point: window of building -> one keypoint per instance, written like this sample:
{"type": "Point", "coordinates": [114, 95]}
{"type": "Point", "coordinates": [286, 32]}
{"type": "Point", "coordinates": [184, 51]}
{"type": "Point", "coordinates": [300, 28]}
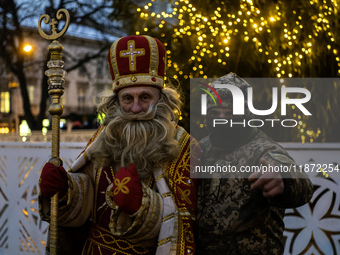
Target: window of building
{"type": "Point", "coordinates": [82, 70]}
{"type": "Point", "coordinates": [5, 103]}
{"type": "Point", "coordinates": [30, 90]}
{"type": "Point", "coordinates": [99, 68]}
{"type": "Point", "coordinates": [81, 99]}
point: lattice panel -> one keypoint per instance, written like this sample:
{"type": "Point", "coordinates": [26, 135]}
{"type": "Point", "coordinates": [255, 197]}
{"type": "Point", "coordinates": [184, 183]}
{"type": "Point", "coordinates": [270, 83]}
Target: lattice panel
{"type": "Point", "coordinates": [314, 229]}
{"type": "Point", "coordinates": [311, 229]}
{"type": "Point", "coordinates": [76, 136]}
{"type": "Point", "coordinates": [21, 229]}
{"type": "Point", "coordinates": [4, 203]}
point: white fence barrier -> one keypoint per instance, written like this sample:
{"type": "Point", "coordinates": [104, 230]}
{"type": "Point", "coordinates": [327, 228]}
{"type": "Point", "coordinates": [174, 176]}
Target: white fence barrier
{"type": "Point", "coordinates": [21, 230]}
{"type": "Point", "coordinates": [311, 229]}
{"type": "Point", "coordinates": [315, 227]}
{"type": "Point", "coordinates": [74, 136]}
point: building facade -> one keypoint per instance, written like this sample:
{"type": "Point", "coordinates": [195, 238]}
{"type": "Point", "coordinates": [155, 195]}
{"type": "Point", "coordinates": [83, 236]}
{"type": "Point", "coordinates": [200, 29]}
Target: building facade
{"type": "Point", "coordinates": [84, 84]}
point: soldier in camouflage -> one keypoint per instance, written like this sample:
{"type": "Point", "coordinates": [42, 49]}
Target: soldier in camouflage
{"type": "Point", "coordinates": [239, 214]}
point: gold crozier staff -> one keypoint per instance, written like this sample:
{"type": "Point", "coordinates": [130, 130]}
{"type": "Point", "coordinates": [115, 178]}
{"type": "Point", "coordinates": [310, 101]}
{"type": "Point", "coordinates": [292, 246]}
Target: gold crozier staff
{"type": "Point", "coordinates": [56, 80]}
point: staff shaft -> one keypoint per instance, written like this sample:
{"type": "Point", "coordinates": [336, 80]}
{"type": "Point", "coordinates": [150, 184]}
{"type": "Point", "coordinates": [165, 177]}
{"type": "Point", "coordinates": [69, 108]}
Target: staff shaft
{"type": "Point", "coordinates": [55, 81]}
{"type": "Point", "coordinates": [54, 199]}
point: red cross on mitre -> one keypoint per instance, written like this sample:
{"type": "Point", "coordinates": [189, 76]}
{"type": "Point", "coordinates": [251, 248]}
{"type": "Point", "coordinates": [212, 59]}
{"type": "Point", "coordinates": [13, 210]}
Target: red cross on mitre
{"type": "Point", "coordinates": [132, 54]}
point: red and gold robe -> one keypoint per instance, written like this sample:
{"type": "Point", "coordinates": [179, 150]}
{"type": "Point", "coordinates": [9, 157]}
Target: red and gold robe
{"type": "Point", "coordinates": [164, 223]}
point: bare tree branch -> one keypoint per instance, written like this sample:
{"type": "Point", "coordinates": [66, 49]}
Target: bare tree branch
{"type": "Point", "coordinates": [14, 15]}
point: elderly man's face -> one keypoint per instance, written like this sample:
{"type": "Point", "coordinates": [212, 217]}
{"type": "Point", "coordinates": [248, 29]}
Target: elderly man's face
{"type": "Point", "coordinates": [138, 99]}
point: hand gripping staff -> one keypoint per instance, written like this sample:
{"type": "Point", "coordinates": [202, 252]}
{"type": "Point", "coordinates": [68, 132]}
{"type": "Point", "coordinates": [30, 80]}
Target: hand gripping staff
{"type": "Point", "coordinates": [56, 80]}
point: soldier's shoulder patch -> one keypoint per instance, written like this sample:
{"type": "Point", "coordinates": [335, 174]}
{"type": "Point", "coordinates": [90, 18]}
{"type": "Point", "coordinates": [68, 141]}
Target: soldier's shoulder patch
{"type": "Point", "coordinates": [282, 158]}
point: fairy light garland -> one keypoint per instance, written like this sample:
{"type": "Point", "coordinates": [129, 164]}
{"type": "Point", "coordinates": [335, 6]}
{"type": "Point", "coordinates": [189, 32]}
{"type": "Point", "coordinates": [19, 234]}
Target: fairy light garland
{"type": "Point", "coordinates": [213, 36]}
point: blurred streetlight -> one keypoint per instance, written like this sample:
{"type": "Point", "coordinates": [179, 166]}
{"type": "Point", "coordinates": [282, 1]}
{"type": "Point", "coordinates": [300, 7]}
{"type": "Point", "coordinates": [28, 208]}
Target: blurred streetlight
{"type": "Point", "coordinates": [28, 48]}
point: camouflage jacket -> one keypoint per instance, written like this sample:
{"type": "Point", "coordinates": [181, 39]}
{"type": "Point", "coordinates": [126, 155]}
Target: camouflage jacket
{"type": "Point", "coordinates": [234, 219]}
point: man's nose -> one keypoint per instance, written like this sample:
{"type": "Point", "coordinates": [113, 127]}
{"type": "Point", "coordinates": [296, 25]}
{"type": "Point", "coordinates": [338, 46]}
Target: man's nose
{"type": "Point", "coordinates": [136, 107]}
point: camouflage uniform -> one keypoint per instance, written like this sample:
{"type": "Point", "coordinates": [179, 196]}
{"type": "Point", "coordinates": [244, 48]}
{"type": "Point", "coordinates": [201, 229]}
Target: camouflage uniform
{"type": "Point", "coordinates": [235, 219]}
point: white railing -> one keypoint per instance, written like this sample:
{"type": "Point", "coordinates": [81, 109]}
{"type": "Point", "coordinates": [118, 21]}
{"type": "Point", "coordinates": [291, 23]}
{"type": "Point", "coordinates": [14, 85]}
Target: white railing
{"type": "Point", "coordinates": [311, 229]}
{"type": "Point", "coordinates": [315, 227]}
{"type": "Point", "coordinates": [80, 135]}
{"type": "Point", "coordinates": [21, 230]}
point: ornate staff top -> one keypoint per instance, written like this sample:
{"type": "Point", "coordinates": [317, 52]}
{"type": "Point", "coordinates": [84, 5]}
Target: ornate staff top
{"type": "Point", "coordinates": [56, 76]}
{"type": "Point", "coordinates": [54, 24]}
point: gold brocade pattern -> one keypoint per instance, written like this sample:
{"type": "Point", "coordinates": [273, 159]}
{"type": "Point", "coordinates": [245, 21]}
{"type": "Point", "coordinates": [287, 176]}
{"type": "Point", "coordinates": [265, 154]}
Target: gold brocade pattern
{"type": "Point", "coordinates": [159, 177]}
{"type": "Point", "coordinates": [154, 58]}
{"type": "Point", "coordinates": [113, 59]}
{"type": "Point", "coordinates": [120, 186]}
{"type": "Point", "coordinates": [182, 191]}
{"type": "Point", "coordinates": [182, 162]}
{"type": "Point", "coordinates": [103, 238]}
{"type": "Point", "coordinates": [185, 195]}
{"type": "Point", "coordinates": [168, 217]}
{"type": "Point", "coordinates": [168, 194]}
{"type": "Point", "coordinates": [177, 176]}
{"type": "Point", "coordinates": [81, 183]}
{"type": "Point", "coordinates": [99, 171]}
{"type": "Point", "coordinates": [164, 241]}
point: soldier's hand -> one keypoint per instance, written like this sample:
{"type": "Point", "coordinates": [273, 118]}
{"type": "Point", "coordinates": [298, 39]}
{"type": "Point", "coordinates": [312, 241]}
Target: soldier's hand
{"type": "Point", "coordinates": [52, 180]}
{"type": "Point", "coordinates": [271, 183]}
{"type": "Point", "coordinates": [127, 189]}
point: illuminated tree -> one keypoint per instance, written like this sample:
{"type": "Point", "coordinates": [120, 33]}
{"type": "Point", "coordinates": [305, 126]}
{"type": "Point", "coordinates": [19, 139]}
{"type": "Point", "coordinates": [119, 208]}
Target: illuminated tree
{"type": "Point", "coordinates": [277, 39]}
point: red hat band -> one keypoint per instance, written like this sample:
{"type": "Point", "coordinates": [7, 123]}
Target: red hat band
{"type": "Point", "coordinates": [137, 61]}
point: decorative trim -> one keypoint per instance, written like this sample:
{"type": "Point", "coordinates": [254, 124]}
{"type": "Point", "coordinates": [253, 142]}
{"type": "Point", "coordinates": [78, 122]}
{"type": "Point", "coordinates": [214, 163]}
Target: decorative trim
{"type": "Point", "coordinates": [168, 217]}
{"type": "Point", "coordinates": [159, 177]}
{"type": "Point", "coordinates": [164, 241]}
{"type": "Point", "coordinates": [113, 58]}
{"type": "Point", "coordinates": [154, 58]}
{"type": "Point", "coordinates": [132, 53]}
{"type": "Point", "coordinates": [168, 194]}
{"type": "Point", "coordinates": [137, 80]}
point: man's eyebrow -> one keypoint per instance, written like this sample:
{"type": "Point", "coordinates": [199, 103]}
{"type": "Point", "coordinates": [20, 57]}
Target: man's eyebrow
{"type": "Point", "coordinates": [146, 92]}
{"type": "Point", "coordinates": [143, 92]}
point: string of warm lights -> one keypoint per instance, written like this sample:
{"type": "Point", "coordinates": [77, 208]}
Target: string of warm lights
{"type": "Point", "coordinates": [213, 36]}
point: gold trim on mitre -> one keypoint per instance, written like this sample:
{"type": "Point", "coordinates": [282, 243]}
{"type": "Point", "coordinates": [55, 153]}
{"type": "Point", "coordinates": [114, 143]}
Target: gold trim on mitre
{"type": "Point", "coordinates": [113, 58]}
{"type": "Point", "coordinates": [154, 55]}
{"type": "Point", "coordinates": [138, 80]}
